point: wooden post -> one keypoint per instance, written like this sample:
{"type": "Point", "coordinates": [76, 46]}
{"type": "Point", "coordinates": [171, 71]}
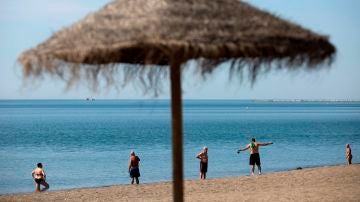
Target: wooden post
{"type": "Point", "coordinates": [177, 131]}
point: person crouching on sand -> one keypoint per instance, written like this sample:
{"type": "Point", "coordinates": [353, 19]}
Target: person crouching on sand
{"type": "Point", "coordinates": [203, 156]}
{"type": "Point", "coordinates": [39, 177]}
{"type": "Point", "coordinates": [254, 154]}
{"type": "Point", "coordinates": [134, 167]}
{"type": "Point", "coordinates": [348, 154]}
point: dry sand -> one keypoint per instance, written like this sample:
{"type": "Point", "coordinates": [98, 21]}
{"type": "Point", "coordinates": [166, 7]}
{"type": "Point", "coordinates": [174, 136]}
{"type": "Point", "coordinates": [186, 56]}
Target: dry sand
{"type": "Point", "coordinates": [334, 183]}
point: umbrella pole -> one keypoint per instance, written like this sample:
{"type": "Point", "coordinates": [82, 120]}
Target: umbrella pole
{"type": "Point", "coordinates": [177, 131]}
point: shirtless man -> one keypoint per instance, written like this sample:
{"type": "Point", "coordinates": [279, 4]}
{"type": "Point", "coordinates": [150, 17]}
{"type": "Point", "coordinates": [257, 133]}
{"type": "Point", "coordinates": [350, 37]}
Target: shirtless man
{"type": "Point", "coordinates": [134, 167]}
{"type": "Point", "coordinates": [348, 154]}
{"type": "Point", "coordinates": [203, 156]}
{"type": "Point", "coordinates": [39, 177]}
{"type": "Point", "coordinates": [254, 154]}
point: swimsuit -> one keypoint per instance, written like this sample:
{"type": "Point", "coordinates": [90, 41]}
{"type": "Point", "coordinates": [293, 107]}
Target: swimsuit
{"type": "Point", "coordinates": [254, 159]}
{"type": "Point", "coordinates": [134, 172]}
{"type": "Point", "coordinates": [203, 167]}
{"type": "Point", "coordinates": [38, 181]}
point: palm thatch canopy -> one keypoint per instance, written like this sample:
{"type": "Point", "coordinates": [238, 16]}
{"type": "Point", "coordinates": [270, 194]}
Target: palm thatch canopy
{"type": "Point", "coordinates": [157, 32]}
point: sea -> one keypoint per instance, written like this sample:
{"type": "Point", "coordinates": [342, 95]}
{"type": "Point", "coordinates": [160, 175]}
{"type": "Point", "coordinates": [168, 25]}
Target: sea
{"type": "Point", "coordinates": [86, 143]}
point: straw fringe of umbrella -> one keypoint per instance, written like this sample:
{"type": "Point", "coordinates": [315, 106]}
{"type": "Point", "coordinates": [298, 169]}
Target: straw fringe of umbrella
{"type": "Point", "coordinates": [149, 34]}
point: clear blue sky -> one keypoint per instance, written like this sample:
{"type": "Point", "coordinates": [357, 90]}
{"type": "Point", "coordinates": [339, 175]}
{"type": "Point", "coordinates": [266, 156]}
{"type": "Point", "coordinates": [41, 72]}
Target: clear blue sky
{"type": "Point", "coordinates": [26, 23]}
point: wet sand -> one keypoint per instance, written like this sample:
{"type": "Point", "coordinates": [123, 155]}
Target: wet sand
{"type": "Point", "coordinates": [333, 183]}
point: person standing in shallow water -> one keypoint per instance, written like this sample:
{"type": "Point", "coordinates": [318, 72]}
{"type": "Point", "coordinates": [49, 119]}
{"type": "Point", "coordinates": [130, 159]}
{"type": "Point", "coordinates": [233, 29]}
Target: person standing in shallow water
{"type": "Point", "coordinates": [348, 154]}
{"type": "Point", "coordinates": [203, 156]}
{"type": "Point", "coordinates": [254, 154]}
{"type": "Point", "coordinates": [39, 177]}
{"type": "Point", "coordinates": [134, 167]}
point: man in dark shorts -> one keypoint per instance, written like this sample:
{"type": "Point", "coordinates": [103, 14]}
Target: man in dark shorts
{"type": "Point", "coordinates": [254, 154]}
{"type": "Point", "coordinates": [203, 156]}
{"type": "Point", "coordinates": [39, 177]}
{"type": "Point", "coordinates": [134, 167]}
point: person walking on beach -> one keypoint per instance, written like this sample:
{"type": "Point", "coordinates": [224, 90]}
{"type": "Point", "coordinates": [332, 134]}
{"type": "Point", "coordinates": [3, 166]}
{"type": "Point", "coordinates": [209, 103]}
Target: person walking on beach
{"type": "Point", "coordinates": [203, 156]}
{"type": "Point", "coordinates": [39, 177]}
{"type": "Point", "coordinates": [254, 154]}
{"type": "Point", "coordinates": [134, 167]}
{"type": "Point", "coordinates": [348, 154]}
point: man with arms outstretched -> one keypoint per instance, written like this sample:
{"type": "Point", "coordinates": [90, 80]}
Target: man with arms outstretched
{"type": "Point", "coordinates": [254, 154]}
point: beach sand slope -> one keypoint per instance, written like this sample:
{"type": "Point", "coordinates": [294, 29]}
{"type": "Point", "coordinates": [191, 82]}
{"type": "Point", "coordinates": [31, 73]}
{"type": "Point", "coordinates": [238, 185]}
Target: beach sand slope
{"type": "Point", "coordinates": [333, 183]}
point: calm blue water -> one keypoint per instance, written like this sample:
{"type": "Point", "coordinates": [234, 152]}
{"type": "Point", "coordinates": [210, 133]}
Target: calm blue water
{"type": "Point", "coordinates": [87, 143]}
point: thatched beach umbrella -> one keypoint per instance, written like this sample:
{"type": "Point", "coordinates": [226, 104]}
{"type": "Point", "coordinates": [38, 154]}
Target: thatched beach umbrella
{"type": "Point", "coordinates": [147, 36]}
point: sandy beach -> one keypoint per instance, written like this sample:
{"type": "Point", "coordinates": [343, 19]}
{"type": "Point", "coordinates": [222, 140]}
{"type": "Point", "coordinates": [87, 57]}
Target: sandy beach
{"type": "Point", "coordinates": [333, 183]}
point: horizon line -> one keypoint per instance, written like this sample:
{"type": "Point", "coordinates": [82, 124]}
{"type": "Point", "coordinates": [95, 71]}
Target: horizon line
{"type": "Point", "coordinates": [214, 99]}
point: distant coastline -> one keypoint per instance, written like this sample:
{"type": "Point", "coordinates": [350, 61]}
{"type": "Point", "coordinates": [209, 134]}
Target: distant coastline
{"type": "Point", "coordinates": [306, 100]}
{"type": "Point", "coordinates": [162, 99]}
